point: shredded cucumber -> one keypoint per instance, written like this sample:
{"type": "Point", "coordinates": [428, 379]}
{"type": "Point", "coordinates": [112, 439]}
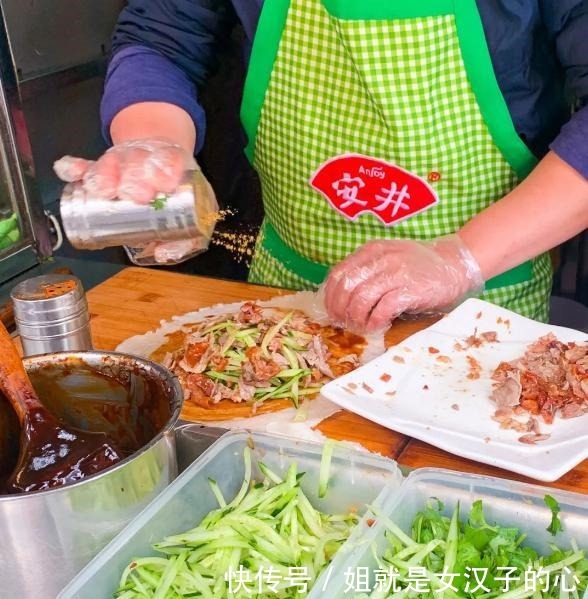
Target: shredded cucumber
{"type": "Point", "coordinates": [272, 332]}
{"type": "Point", "coordinates": [270, 526]}
{"type": "Point", "coordinates": [325, 468]}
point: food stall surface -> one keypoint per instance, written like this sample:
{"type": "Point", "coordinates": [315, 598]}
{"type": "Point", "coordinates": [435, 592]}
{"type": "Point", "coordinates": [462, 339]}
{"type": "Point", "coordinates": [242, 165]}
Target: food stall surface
{"type": "Point", "coordinates": [136, 300]}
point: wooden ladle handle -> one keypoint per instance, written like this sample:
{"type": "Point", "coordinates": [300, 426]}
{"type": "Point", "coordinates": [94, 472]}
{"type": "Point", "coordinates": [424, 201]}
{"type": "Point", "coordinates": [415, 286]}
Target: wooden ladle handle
{"type": "Point", "coordinates": [14, 381]}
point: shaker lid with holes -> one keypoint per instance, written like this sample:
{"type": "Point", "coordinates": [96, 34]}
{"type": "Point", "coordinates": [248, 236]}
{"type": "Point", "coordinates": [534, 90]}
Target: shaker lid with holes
{"type": "Point", "coordinates": [47, 298]}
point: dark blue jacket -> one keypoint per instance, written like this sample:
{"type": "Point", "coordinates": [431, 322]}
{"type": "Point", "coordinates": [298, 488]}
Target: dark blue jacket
{"type": "Point", "coordinates": [164, 50]}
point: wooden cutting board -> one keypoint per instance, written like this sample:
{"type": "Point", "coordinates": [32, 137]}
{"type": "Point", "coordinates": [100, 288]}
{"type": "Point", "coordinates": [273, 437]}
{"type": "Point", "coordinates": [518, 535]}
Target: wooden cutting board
{"type": "Point", "coordinates": [135, 300]}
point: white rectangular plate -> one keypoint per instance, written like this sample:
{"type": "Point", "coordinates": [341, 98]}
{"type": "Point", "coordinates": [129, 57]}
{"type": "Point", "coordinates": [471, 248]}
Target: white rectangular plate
{"type": "Point", "coordinates": [433, 400]}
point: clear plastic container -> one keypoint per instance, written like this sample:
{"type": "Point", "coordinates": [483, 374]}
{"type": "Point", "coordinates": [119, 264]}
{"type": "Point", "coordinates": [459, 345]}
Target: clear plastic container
{"type": "Point", "coordinates": [507, 503]}
{"type": "Point", "coordinates": [356, 479]}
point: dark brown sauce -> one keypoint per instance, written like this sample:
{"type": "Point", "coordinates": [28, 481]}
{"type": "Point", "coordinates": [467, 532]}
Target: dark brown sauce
{"type": "Point", "coordinates": [125, 408]}
{"type": "Point", "coordinates": [53, 455]}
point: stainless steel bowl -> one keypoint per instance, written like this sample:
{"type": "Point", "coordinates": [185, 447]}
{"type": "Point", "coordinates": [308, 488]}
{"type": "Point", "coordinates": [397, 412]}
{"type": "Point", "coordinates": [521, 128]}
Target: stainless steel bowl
{"type": "Point", "coordinates": [48, 536]}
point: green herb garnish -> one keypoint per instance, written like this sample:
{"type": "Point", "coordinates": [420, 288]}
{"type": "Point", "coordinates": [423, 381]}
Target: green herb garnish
{"type": "Point", "coordinates": [443, 546]}
{"type": "Point", "coordinates": [159, 203]}
{"type": "Point", "coordinates": [555, 525]}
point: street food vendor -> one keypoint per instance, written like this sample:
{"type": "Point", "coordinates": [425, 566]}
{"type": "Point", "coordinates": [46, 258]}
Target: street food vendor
{"type": "Point", "coordinates": [410, 153]}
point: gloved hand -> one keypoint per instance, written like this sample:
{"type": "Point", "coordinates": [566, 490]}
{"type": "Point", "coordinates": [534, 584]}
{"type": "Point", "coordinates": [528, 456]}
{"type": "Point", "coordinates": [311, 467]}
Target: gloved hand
{"type": "Point", "coordinates": [140, 170]}
{"type": "Point", "coordinates": [135, 170]}
{"type": "Point", "coordinates": [384, 279]}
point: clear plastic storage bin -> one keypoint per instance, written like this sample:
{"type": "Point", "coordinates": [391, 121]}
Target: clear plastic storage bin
{"type": "Point", "coordinates": [508, 503]}
{"type": "Point", "coordinates": [356, 479]}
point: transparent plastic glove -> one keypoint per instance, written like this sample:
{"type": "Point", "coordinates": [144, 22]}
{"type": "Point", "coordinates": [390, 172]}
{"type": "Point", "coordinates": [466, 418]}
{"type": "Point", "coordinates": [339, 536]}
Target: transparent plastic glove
{"type": "Point", "coordinates": [139, 171]}
{"type": "Point", "coordinates": [384, 279]}
{"type": "Point", "coordinates": [174, 252]}
{"type": "Point", "coordinates": [135, 170]}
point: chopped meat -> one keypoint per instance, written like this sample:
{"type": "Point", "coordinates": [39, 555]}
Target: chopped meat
{"type": "Point", "coordinates": [301, 323]}
{"type": "Point", "coordinates": [478, 315]}
{"type": "Point", "coordinates": [515, 425]}
{"type": "Point", "coordinates": [399, 359]}
{"type": "Point", "coordinates": [317, 355]}
{"type": "Point", "coordinates": [443, 359]}
{"type": "Point", "coordinates": [316, 375]}
{"type": "Point", "coordinates": [367, 388]}
{"type": "Point", "coordinates": [503, 414]}
{"type": "Point", "coordinates": [534, 425]}
{"type": "Point", "coordinates": [221, 392]}
{"type": "Point", "coordinates": [385, 378]}
{"type": "Point", "coordinates": [200, 389]}
{"type": "Point", "coordinates": [553, 379]}
{"type": "Point", "coordinates": [275, 345]}
{"type": "Point", "coordinates": [194, 353]}
{"type": "Point", "coordinates": [263, 369]}
{"type": "Point", "coordinates": [245, 392]}
{"type": "Point", "coordinates": [477, 340]}
{"type": "Point", "coordinates": [575, 353]}
{"type": "Point", "coordinates": [533, 438]}
{"type": "Point", "coordinates": [218, 363]}
{"type": "Point", "coordinates": [250, 313]}
{"type": "Point", "coordinates": [506, 322]}
{"type": "Point", "coordinates": [352, 385]}
{"type": "Point", "coordinates": [474, 368]}
{"type": "Point", "coordinates": [279, 359]}
{"type": "Point", "coordinates": [352, 359]}
{"type": "Point", "coordinates": [433, 350]}
{"type": "Point", "coordinates": [573, 410]}
{"type": "Point", "coordinates": [508, 393]}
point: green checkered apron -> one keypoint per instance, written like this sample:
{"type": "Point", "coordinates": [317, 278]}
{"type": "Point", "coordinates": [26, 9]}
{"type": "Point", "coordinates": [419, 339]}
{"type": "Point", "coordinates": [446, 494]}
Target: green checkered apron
{"type": "Point", "coordinates": [408, 83]}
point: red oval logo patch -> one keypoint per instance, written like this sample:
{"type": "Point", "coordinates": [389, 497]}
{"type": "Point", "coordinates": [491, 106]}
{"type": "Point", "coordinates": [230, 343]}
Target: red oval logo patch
{"type": "Point", "coordinates": [355, 184]}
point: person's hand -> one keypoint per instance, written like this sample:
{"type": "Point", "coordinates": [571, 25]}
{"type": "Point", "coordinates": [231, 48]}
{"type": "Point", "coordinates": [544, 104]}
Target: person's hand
{"type": "Point", "coordinates": [136, 170]}
{"type": "Point", "coordinates": [139, 171]}
{"type": "Point", "coordinates": [384, 279]}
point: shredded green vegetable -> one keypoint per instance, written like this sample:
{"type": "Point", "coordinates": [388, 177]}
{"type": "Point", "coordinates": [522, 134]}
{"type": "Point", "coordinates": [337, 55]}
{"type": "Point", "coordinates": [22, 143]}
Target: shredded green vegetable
{"type": "Point", "coordinates": [267, 532]}
{"type": "Point", "coordinates": [325, 467]}
{"type": "Point", "coordinates": [439, 545]}
{"type": "Point", "coordinates": [555, 525]}
{"type": "Point", "coordinates": [253, 356]}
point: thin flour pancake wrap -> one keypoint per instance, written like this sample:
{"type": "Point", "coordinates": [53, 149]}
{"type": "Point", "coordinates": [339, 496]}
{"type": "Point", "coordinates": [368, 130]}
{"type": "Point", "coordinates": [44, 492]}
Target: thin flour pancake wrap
{"type": "Point", "coordinates": [284, 352]}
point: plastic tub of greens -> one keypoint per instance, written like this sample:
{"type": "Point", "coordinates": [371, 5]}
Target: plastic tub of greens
{"type": "Point", "coordinates": [475, 529]}
{"type": "Point", "coordinates": [254, 512]}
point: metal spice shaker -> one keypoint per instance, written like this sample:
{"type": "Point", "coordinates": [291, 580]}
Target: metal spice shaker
{"type": "Point", "coordinates": [91, 223]}
{"type": "Point", "coordinates": [51, 315]}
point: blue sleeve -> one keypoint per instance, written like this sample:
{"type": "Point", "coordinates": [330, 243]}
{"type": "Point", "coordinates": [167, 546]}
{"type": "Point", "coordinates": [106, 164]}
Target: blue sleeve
{"type": "Point", "coordinates": [567, 23]}
{"type": "Point", "coordinates": [139, 74]}
{"type": "Point", "coordinates": [163, 51]}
